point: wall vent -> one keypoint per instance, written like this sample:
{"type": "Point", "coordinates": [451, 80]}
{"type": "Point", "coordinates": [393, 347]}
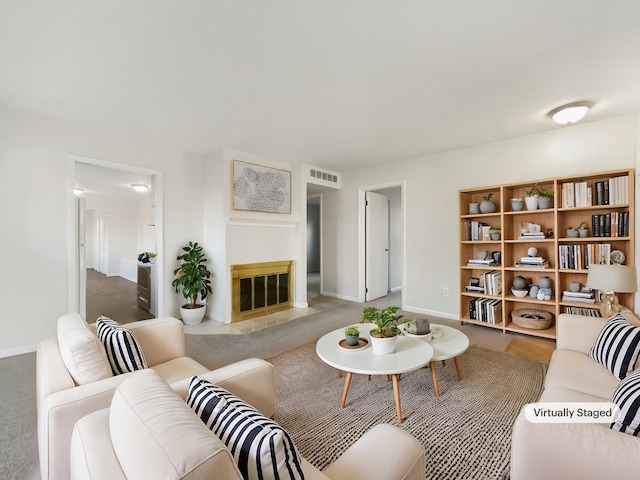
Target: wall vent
{"type": "Point", "coordinates": [320, 175]}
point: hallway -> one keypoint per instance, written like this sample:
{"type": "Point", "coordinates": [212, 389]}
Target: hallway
{"type": "Point", "coordinates": [114, 297]}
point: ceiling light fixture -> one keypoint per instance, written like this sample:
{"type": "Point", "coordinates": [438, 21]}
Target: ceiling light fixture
{"type": "Point", "coordinates": [570, 113]}
{"type": "Point", "coordinates": [77, 191]}
{"type": "Point", "coordinates": [140, 188]}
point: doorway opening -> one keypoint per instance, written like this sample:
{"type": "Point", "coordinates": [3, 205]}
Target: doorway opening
{"type": "Point", "coordinates": [381, 240]}
{"type": "Point", "coordinates": [112, 225]}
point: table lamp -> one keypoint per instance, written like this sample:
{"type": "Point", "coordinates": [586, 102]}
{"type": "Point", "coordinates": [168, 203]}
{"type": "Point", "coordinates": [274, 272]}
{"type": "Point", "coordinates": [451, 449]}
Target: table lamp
{"type": "Point", "coordinates": [611, 279]}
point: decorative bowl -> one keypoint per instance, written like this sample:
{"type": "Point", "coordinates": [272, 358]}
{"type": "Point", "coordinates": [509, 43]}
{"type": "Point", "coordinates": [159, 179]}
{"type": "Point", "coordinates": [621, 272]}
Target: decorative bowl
{"type": "Point", "coordinates": [519, 293]}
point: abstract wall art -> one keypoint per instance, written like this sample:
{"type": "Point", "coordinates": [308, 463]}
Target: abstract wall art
{"type": "Point", "coordinates": [261, 189]}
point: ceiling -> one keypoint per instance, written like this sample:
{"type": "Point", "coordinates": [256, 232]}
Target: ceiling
{"type": "Point", "coordinates": [337, 84]}
{"type": "Point", "coordinates": [98, 182]}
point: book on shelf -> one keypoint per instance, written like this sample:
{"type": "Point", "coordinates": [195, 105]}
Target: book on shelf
{"type": "Point", "coordinates": [531, 236]}
{"type": "Point", "coordinates": [614, 191]}
{"type": "Point", "coordinates": [483, 263]}
{"type": "Point", "coordinates": [471, 288]}
{"type": "Point", "coordinates": [532, 260]}
{"type": "Point", "coordinates": [580, 256]}
{"type": "Point", "coordinates": [589, 312]}
{"type": "Point", "coordinates": [576, 194]}
{"type": "Point", "coordinates": [581, 294]}
{"type": "Point", "coordinates": [566, 298]}
{"type": "Point", "coordinates": [532, 265]}
{"type": "Point", "coordinates": [488, 310]}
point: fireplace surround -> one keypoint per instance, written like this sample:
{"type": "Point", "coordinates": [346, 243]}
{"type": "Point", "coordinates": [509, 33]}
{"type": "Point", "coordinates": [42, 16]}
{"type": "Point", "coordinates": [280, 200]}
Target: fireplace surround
{"type": "Point", "coordinates": [261, 288]}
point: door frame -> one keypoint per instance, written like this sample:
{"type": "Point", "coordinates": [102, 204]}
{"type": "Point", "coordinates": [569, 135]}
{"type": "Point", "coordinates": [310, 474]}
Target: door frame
{"type": "Point", "coordinates": [73, 298]}
{"type": "Point", "coordinates": [362, 260]}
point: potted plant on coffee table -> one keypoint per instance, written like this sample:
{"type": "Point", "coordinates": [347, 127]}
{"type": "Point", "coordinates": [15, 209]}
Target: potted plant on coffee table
{"type": "Point", "coordinates": [192, 278]}
{"type": "Point", "coordinates": [352, 335]}
{"type": "Point", "coordinates": [384, 337]}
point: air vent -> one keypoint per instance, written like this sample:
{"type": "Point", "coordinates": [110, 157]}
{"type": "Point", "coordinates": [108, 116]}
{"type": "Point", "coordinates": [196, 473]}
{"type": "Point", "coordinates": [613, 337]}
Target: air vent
{"type": "Point", "coordinates": [320, 175]}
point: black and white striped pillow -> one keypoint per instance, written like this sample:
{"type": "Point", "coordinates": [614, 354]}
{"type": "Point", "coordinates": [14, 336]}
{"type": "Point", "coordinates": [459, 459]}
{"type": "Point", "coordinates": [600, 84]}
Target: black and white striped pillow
{"type": "Point", "coordinates": [262, 449]}
{"type": "Point", "coordinates": [626, 397]}
{"type": "Point", "coordinates": [123, 351]}
{"type": "Point", "coordinates": [617, 346]}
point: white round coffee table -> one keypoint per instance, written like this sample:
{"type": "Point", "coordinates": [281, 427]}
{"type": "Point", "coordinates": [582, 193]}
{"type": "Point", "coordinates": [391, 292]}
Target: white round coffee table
{"type": "Point", "coordinates": [451, 344]}
{"type": "Point", "coordinates": [411, 354]}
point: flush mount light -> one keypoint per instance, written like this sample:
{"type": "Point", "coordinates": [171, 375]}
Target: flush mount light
{"type": "Point", "coordinates": [570, 113]}
{"type": "Point", "coordinates": [140, 188]}
{"type": "Point", "coordinates": [77, 191]}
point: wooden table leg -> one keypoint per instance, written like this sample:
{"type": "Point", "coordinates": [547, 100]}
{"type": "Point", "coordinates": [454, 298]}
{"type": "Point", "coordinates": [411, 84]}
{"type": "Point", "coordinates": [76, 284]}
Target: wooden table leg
{"type": "Point", "coordinates": [435, 378]}
{"type": "Point", "coordinates": [455, 360]}
{"type": "Point", "coordinates": [339, 373]}
{"type": "Point", "coordinates": [396, 394]}
{"type": "Point", "coordinates": [347, 382]}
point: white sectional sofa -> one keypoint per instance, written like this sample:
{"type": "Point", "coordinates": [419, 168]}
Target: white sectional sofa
{"type": "Point", "coordinates": [72, 380]}
{"type": "Point", "coordinates": [150, 432]}
{"type": "Point", "coordinates": [575, 450]}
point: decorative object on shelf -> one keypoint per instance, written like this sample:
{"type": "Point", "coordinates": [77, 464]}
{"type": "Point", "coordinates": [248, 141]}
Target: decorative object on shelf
{"type": "Point", "coordinates": [487, 206]}
{"type": "Point", "coordinates": [352, 335]}
{"type": "Point", "coordinates": [532, 318]}
{"type": "Point", "coordinates": [482, 255]}
{"type": "Point", "coordinates": [497, 257]}
{"type": "Point", "coordinates": [519, 282]}
{"type": "Point", "coordinates": [147, 257]}
{"type": "Point", "coordinates": [520, 292]}
{"type": "Point", "coordinates": [545, 198]}
{"type": "Point", "coordinates": [474, 208]}
{"type": "Point", "coordinates": [611, 279]}
{"type": "Point", "coordinates": [533, 291]}
{"type": "Point", "coordinates": [575, 287]}
{"type": "Point", "coordinates": [549, 233]}
{"type": "Point", "coordinates": [192, 277]}
{"type": "Point", "coordinates": [517, 204]}
{"type": "Point", "coordinates": [531, 200]}
{"type": "Point", "coordinates": [384, 337]}
{"type": "Point", "coordinates": [583, 230]}
{"type": "Point", "coordinates": [532, 251]}
{"type": "Point", "coordinates": [544, 282]}
{"type": "Point", "coordinates": [572, 233]}
{"type": "Point", "coordinates": [617, 257]}
{"type": "Point", "coordinates": [495, 232]}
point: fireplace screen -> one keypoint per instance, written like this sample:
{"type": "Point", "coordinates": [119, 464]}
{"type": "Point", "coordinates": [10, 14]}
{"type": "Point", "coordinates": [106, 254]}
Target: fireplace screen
{"type": "Point", "coordinates": [261, 288]}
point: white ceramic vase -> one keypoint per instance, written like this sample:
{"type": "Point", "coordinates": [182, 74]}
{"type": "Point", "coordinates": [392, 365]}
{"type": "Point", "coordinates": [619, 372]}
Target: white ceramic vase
{"type": "Point", "coordinates": [531, 202]}
{"type": "Point", "coordinates": [383, 345]}
{"type": "Point", "coordinates": [191, 316]}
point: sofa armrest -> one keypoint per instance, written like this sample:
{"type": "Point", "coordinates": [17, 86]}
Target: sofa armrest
{"type": "Point", "coordinates": [572, 450]}
{"type": "Point", "coordinates": [252, 380]}
{"type": "Point", "coordinates": [161, 339]}
{"type": "Point", "coordinates": [577, 332]}
{"type": "Point", "coordinates": [358, 462]}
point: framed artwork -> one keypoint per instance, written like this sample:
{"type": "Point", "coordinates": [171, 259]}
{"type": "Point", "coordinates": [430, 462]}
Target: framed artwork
{"type": "Point", "coordinates": [261, 189]}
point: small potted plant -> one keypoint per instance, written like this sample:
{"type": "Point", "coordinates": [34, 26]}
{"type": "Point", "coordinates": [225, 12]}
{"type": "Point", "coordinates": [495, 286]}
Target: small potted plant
{"type": "Point", "coordinates": [352, 335]}
{"type": "Point", "coordinates": [487, 206]}
{"type": "Point", "coordinates": [572, 232]}
{"type": "Point", "coordinates": [192, 278]}
{"type": "Point", "coordinates": [545, 198]}
{"type": "Point", "coordinates": [494, 233]}
{"type": "Point", "coordinates": [531, 198]}
{"type": "Point", "coordinates": [583, 230]}
{"type": "Point", "coordinates": [385, 334]}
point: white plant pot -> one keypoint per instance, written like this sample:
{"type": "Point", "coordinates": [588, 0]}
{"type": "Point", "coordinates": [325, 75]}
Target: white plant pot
{"type": "Point", "coordinates": [384, 345]}
{"type": "Point", "coordinates": [191, 316]}
{"type": "Point", "coordinates": [531, 202]}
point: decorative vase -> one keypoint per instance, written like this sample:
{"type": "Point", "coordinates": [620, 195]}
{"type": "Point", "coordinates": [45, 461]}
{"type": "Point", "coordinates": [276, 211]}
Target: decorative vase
{"type": "Point", "coordinates": [531, 202]}
{"type": "Point", "coordinates": [422, 326]}
{"type": "Point", "coordinates": [544, 202]}
{"type": "Point", "coordinates": [572, 233]}
{"type": "Point", "coordinates": [519, 282]}
{"type": "Point", "coordinates": [487, 206]}
{"type": "Point", "coordinates": [544, 282]}
{"type": "Point", "coordinates": [474, 208]}
{"type": "Point", "coordinates": [384, 345]}
{"type": "Point", "coordinates": [574, 287]}
{"type": "Point", "coordinates": [191, 316]}
{"type": "Point", "coordinates": [494, 235]}
{"type": "Point", "coordinates": [352, 340]}
{"type": "Point", "coordinates": [517, 204]}
{"type": "Point", "coordinates": [583, 232]}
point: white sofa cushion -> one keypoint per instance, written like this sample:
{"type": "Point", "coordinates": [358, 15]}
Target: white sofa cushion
{"type": "Point", "coordinates": [82, 353]}
{"type": "Point", "coordinates": [617, 346]}
{"type": "Point", "coordinates": [262, 449]}
{"type": "Point", "coordinates": [123, 351]}
{"type": "Point", "coordinates": [627, 398]}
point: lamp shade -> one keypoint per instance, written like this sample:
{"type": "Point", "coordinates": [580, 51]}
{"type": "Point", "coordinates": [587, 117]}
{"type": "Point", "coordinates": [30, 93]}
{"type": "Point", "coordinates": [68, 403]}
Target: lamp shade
{"type": "Point", "coordinates": [612, 278]}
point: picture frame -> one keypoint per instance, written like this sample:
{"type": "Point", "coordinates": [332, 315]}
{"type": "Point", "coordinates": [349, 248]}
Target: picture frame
{"type": "Point", "coordinates": [257, 188]}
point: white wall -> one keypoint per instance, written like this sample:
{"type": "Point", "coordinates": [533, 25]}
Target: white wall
{"type": "Point", "coordinates": [432, 185]}
{"type": "Point", "coordinates": [35, 195]}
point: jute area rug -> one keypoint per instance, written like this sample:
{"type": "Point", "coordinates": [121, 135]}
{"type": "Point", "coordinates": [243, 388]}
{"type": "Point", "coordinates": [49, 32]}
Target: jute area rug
{"type": "Point", "coordinates": [466, 431]}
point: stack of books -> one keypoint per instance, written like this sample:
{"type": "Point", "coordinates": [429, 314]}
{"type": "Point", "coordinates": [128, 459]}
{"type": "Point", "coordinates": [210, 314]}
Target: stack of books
{"type": "Point", "coordinates": [531, 236]}
{"type": "Point", "coordinates": [532, 262]}
{"type": "Point", "coordinates": [585, 295]}
{"type": "Point", "coordinates": [482, 263]}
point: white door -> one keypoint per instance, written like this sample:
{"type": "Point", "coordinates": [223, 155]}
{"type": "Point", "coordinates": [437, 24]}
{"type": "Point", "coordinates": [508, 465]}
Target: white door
{"type": "Point", "coordinates": [81, 258]}
{"type": "Point", "coordinates": [376, 245]}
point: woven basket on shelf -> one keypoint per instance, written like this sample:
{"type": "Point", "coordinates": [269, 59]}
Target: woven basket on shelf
{"type": "Point", "coordinates": [533, 319]}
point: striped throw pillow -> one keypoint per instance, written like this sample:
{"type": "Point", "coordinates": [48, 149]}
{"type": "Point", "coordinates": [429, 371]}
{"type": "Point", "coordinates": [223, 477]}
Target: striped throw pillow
{"type": "Point", "coordinates": [123, 351]}
{"type": "Point", "coordinates": [626, 397]}
{"type": "Point", "coordinates": [617, 346]}
{"type": "Point", "coordinates": [262, 449]}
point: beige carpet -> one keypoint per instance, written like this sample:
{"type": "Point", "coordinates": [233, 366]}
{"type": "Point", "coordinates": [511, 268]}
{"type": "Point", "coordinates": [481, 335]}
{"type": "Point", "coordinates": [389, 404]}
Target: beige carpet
{"type": "Point", "coordinates": [466, 431]}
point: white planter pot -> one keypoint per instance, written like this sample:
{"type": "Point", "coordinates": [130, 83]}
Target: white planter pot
{"type": "Point", "coordinates": [191, 316]}
{"type": "Point", "coordinates": [383, 345]}
{"type": "Point", "coordinates": [531, 202]}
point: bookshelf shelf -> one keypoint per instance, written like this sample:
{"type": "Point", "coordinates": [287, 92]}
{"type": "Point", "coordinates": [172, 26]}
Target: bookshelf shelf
{"type": "Point", "coordinates": [552, 243]}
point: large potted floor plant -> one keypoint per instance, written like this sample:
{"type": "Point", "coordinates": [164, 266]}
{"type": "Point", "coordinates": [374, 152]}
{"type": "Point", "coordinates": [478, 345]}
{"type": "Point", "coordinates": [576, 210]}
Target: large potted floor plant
{"type": "Point", "coordinates": [192, 280]}
{"type": "Point", "coordinates": [385, 336]}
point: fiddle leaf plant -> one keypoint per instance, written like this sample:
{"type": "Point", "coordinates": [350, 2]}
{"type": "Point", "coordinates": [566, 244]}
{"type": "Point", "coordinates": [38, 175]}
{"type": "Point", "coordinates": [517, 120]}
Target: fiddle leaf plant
{"type": "Point", "coordinates": [192, 276]}
{"type": "Point", "coordinates": [386, 320]}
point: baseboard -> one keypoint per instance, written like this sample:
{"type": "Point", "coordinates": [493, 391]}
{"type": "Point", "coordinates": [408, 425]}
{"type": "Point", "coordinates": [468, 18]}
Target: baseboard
{"type": "Point", "coordinates": [396, 289]}
{"type": "Point", "coordinates": [131, 279]}
{"type": "Point", "coordinates": [300, 305]}
{"type": "Point", "coordinates": [341, 297]}
{"type": "Point", "coordinates": [18, 351]}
